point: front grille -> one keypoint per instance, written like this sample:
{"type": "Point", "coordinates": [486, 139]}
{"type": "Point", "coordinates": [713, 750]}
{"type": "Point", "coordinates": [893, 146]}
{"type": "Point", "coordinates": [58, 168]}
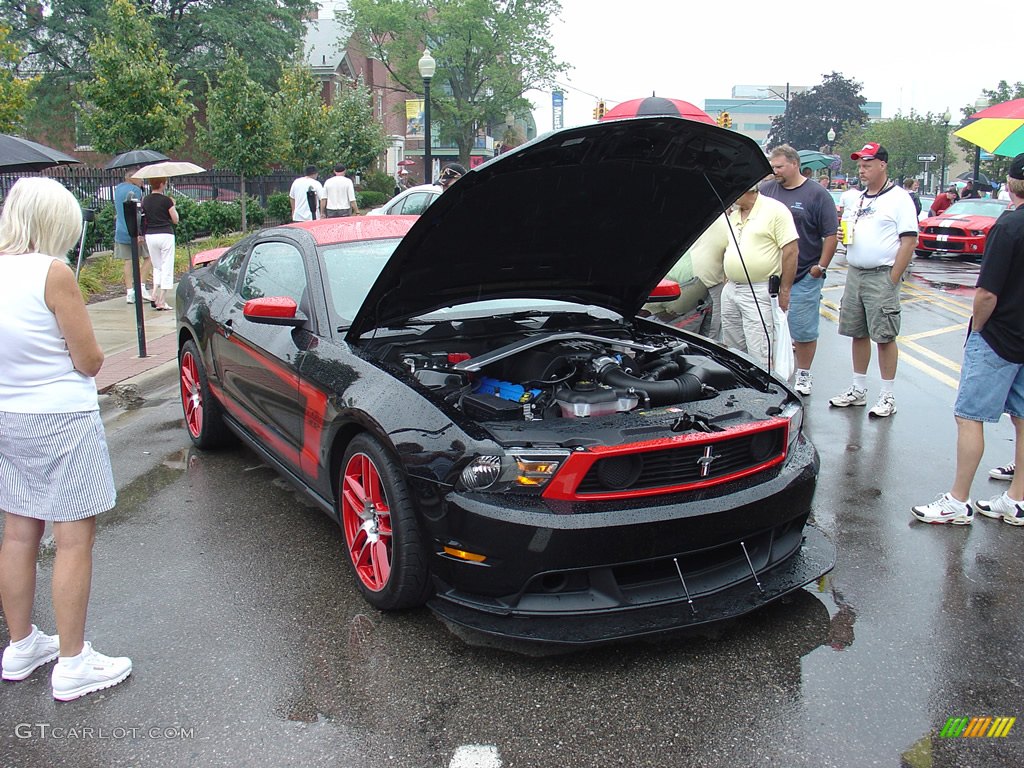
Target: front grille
{"type": "Point", "coordinates": [941, 246]}
{"type": "Point", "coordinates": [688, 463]}
{"type": "Point", "coordinates": [955, 232]}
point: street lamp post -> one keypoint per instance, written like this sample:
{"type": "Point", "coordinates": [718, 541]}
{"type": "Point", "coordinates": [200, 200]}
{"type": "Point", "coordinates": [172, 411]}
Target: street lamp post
{"type": "Point", "coordinates": [979, 105]}
{"type": "Point", "coordinates": [427, 66]}
{"type": "Point", "coordinates": [831, 136]}
{"type": "Point", "coordinates": [946, 117]}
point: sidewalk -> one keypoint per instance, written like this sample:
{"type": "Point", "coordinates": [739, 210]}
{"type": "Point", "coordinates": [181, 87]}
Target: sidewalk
{"type": "Point", "coordinates": [114, 322]}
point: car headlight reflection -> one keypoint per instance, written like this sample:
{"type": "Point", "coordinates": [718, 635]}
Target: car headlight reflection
{"type": "Point", "coordinates": [519, 470]}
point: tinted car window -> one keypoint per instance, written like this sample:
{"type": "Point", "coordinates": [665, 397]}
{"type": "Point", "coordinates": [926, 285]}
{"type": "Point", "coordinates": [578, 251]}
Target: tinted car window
{"type": "Point", "coordinates": [274, 269]}
{"type": "Point", "coordinates": [351, 270]}
{"type": "Point", "coordinates": [229, 264]}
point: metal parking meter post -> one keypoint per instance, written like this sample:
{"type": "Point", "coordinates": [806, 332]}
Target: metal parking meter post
{"type": "Point", "coordinates": [88, 214]}
{"type": "Point", "coordinates": [133, 221]}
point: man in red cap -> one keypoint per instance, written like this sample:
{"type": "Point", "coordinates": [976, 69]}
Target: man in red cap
{"type": "Point", "coordinates": [880, 235]}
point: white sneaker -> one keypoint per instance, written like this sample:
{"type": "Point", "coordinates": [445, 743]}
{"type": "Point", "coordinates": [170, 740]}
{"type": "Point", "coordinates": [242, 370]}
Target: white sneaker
{"type": "Point", "coordinates": [146, 295]}
{"type": "Point", "coordinates": [852, 396]}
{"type": "Point", "coordinates": [886, 406]}
{"type": "Point", "coordinates": [1003, 473]}
{"type": "Point", "coordinates": [804, 380]}
{"type": "Point", "coordinates": [1002, 506]}
{"type": "Point", "coordinates": [129, 297]}
{"type": "Point", "coordinates": [945, 509]}
{"type": "Point", "coordinates": [22, 659]}
{"type": "Point", "coordinates": [87, 672]}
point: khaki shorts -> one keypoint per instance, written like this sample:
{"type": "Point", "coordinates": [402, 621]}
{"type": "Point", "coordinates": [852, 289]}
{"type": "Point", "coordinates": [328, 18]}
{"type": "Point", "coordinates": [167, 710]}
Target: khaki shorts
{"type": "Point", "coordinates": [123, 251]}
{"type": "Point", "coordinates": [871, 305]}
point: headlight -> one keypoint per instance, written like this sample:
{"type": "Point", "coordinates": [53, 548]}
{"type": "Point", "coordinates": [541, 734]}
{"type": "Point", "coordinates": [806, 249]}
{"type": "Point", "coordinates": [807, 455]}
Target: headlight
{"type": "Point", "coordinates": [795, 413]}
{"type": "Point", "coordinates": [522, 470]}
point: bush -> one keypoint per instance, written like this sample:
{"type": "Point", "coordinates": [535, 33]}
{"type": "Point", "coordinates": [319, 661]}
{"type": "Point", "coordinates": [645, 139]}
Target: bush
{"type": "Point", "coordinates": [254, 213]}
{"type": "Point", "coordinates": [279, 207]}
{"type": "Point", "coordinates": [370, 199]}
{"type": "Point", "coordinates": [190, 219]}
{"type": "Point", "coordinates": [377, 181]}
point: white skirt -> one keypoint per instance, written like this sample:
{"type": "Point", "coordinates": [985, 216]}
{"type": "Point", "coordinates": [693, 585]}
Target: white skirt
{"type": "Point", "coordinates": [55, 466]}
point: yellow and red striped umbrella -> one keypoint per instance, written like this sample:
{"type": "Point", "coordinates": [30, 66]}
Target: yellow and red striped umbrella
{"type": "Point", "coordinates": [998, 129]}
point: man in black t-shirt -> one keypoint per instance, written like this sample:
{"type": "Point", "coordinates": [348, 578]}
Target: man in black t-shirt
{"type": "Point", "coordinates": [992, 375]}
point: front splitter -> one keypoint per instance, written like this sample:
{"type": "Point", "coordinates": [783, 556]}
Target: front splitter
{"type": "Point", "coordinates": [816, 557]}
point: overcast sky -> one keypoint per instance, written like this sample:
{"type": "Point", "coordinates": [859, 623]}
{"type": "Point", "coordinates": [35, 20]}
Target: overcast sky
{"type": "Point", "coordinates": [907, 54]}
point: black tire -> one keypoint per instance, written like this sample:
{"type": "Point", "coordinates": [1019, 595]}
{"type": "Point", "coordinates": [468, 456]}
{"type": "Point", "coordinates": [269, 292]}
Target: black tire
{"type": "Point", "coordinates": [383, 542]}
{"type": "Point", "coordinates": [204, 417]}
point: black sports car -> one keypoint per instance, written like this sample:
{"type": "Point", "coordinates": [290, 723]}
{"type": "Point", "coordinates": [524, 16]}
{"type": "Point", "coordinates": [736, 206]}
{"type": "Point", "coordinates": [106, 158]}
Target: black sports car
{"type": "Point", "coordinates": [471, 397]}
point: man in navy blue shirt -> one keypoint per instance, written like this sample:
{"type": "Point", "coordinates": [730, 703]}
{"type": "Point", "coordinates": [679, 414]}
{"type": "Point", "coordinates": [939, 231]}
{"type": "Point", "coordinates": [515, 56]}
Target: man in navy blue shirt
{"type": "Point", "coordinates": [992, 375]}
{"type": "Point", "coordinates": [130, 189]}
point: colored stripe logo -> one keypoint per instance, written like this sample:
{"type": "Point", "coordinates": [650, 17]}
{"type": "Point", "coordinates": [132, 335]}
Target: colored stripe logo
{"type": "Point", "coordinates": [977, 727]}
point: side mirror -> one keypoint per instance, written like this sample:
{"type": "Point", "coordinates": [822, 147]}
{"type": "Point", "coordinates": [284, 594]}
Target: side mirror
{"type": "Point", "coordinates": [666, 290]}
{"type": "Point", "coordinates": [274, 310]}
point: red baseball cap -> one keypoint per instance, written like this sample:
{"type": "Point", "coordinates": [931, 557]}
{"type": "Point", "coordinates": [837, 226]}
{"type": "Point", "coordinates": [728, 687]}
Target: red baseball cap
{"type": "Point", "coordinates": [871, 151]}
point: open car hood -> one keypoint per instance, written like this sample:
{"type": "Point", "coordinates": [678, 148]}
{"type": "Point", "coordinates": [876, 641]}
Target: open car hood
{"type": "Point", "coordinates": [596, 215]}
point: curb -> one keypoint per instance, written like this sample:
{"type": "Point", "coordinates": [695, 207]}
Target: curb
{"type": "Point", "coordinates": [133, 393]}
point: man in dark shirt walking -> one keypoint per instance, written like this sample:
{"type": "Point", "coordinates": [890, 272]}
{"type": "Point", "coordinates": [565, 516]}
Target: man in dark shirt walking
{"type": "Point", "coordinates": [992, 375]}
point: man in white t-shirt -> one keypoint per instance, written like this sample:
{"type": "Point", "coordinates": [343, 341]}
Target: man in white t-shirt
{"type": "Point", "coordinates": [301, 197]}
{"type": "Point", "coordinates": [340, 194]}
{"type": "Point", "coordinates": [881, 232]}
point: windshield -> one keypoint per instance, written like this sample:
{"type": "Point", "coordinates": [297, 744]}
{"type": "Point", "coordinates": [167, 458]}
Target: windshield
{"type": "Point", "coordinates": [993, 208]}
{"type": "Point", "coordinates": [351, 269]}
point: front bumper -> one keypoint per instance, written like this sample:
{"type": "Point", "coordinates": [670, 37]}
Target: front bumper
{"type": "Point", "coordinates": [816, 556]}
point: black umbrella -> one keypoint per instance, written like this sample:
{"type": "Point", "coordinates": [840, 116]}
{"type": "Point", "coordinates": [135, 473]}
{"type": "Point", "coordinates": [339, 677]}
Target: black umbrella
{"type": "Point", "coordinates": [17, 154]}
{"type": "Point", "coordinates": [983, 183]}
{"type": "Point", "coordinates": [136, 157]}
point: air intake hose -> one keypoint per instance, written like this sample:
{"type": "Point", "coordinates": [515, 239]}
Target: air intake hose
{"type": "Point", "coordinates": [684, 388]}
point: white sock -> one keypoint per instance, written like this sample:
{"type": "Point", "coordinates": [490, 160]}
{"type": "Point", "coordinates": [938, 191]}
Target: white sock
{"type": "Point", "coordinates": [887, 387]}
{"type": "Point", "coordinates": [26, 641]}
{"type": "Point", "coordinates": [860, 381]}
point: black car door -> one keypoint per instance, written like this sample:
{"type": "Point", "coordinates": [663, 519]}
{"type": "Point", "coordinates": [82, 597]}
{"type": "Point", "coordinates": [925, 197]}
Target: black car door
{"type": "Point", "coordinates": [258, 363]}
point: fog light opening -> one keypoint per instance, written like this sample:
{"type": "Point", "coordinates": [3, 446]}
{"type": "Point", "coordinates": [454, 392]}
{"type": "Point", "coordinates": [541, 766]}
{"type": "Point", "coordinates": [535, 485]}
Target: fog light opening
{"type": "Point", "coordinates": [554, 582]}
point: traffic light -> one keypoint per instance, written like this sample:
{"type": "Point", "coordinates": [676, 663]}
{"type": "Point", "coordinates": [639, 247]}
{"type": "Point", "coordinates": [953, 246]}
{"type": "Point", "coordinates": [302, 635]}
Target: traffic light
{"type": "Point", "coordinates": [599, 110]}
{"type": "Point", "coordinates": [725, 120]}
{"type": "Point", "coordinates": [719, 120]}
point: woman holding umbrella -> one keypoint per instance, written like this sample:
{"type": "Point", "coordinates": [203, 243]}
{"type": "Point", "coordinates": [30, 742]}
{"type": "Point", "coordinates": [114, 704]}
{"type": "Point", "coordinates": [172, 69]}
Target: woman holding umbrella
{"type": "Point", "coordinates": [161, 216]}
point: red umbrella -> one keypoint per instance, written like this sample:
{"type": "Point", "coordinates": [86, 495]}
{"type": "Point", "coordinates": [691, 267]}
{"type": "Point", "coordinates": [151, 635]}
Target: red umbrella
{"type": "Point", "coordinates": [655, 105]}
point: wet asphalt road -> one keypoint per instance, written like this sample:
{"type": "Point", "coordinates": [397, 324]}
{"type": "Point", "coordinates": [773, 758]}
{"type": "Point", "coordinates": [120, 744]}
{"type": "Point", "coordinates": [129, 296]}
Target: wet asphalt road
{"type": "Point", "coordinates": [251, 646]}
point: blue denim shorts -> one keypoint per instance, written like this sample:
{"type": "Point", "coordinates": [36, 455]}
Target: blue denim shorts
{"type": "Point", "coordinates": [805, 308]}
{"type": "Point", "coordinates": [989, 385]}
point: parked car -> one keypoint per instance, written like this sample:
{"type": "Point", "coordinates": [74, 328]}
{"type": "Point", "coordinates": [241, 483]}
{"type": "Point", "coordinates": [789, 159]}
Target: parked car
{"type": "Point", "coordinates": [410, 202]}
{"type": "Point", "coordinates": [926, 204]}
{"type": "Point", "coordinates": [470, 395]}
{"type": "Point", "coordinates": [202, 193]}
{"type": "Point", "coordinates": [961, 229]}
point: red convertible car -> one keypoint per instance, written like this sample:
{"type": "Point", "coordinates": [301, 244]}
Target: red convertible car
{"type": "Point", "coordinates": [961, 229]}
{"type": "Point", "coordinates": [472, 397]}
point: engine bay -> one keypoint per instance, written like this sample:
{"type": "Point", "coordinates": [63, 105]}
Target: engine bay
{"type": "Point", "coordinates": [576, 374]}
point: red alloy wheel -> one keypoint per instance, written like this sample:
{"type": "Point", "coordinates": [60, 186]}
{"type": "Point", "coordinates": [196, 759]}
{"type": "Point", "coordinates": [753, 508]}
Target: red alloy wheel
{"type": "Point", "coordinates": [366, 520]}
{"type": "Point", "coordinates": [191, 395]}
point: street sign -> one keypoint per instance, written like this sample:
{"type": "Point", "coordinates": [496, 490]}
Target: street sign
{"type": "Point", "coordinates": [927, 158]}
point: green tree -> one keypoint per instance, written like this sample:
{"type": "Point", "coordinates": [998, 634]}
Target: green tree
{"type": "Point", "coordinates": [904, 137]}
{"type": "Point", "coordinates": [488, 53]}
{"type": "Point", "coordinates": [996, 168]}
{"type": "Point", "coordinates": [354, 135]}
{"type": "Point", "coordinates": [195, 33]}
{"type": "Point", "coordinates": [236, 134]}
{"type": "Point", "coordinates": [302, 118]}
{"type": "Point", "coordinates": [133, 99]}
{"type": "Point", "coordinates": [835, 103]}
{"type": "Point", "coordinates": [14, 90]}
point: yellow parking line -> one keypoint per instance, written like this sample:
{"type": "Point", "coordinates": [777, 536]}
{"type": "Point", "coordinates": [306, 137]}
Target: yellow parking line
{"type": "Point", "coordinates": [937, 375]}
{"type": "Point", "coordinates": [934, 356]}
{"type": "Point", "coordinates": [935, 332]}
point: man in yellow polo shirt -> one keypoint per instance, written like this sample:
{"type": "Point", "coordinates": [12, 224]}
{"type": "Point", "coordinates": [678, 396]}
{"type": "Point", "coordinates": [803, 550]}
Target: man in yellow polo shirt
{"type": "Point", "coordinates": [767, 238]}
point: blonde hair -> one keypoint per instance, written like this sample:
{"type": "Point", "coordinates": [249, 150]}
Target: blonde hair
{"type": "Point", "coordinates": [40, 215]}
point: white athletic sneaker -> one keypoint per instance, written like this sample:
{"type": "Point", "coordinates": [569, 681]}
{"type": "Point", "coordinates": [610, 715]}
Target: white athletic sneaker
{"type": "Point", "coordinates": [89, 671]}
{"type": "Point", "coordinates": [886, 406]}
{"type": "Point", "coordinates": [129, 297]}
{"type": "Point", "coordinates": [804, 380]}
{"type": "Point", "coordinates": [852, 396]}
{"type": "Point", "coordinates": [146, 295]}
{"type": "Point", "coordinates": [23, 658]}
{"type": "Point", "coordinates": [1004, 472]}
{"type": "Point", "coordinates": [945, 509]}
{"type": "Point", "coordinates": [1002, 506]}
